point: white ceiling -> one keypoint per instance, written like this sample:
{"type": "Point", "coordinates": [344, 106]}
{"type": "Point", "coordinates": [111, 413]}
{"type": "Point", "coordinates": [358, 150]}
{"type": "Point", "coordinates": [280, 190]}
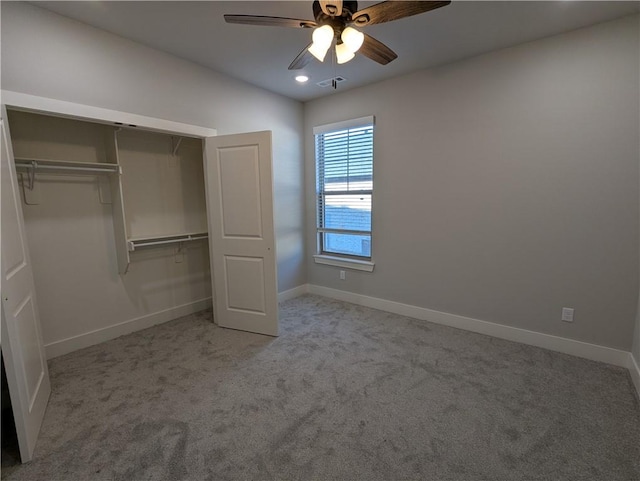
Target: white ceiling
{"type": "Point", "coordinates": [260, 55]}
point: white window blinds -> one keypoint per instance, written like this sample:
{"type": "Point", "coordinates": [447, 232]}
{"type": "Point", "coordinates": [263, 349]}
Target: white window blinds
{"type": "Point", "coordinates": [344, 161]}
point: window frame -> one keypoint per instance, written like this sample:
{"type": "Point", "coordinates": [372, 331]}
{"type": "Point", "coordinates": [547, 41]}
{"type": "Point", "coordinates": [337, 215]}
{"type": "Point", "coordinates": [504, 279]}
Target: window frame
{"type": "Point", "coordinates": [327, 257]}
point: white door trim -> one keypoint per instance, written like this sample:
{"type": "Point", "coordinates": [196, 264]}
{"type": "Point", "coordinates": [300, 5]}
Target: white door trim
{"type": "Point", "coordinates": [62, 108]}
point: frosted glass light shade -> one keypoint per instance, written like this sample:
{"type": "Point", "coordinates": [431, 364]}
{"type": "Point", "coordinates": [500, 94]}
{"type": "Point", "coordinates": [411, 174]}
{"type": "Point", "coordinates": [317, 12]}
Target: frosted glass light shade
{"type": "Point", "coordinates": [318, 52]}
{"type": "Point", "coordinates": [323, 36]}
{"type": "Point", "coordinates": [322, 39]}
{"type": "Point", "coordinates": [352, 39]}
{"type": "Point", "coordinates": [343, 54]}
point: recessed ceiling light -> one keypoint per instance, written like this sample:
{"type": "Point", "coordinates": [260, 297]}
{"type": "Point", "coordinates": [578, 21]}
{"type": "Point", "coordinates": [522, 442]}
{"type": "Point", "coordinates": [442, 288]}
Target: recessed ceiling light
{"type": "Point", "coordinates": [302, 78]}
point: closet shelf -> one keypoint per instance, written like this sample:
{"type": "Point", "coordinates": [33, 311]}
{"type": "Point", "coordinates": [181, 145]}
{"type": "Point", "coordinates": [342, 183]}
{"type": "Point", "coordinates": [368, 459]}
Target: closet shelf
{"type": "Point", "coordinates": [134, 244]}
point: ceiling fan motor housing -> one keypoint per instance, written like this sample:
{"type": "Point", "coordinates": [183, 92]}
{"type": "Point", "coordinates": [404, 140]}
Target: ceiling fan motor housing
{"type": "Point", "coordinates": [337, 22]}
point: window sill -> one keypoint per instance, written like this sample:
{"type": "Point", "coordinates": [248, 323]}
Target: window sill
{"type": "Point", "coordinates": [358, 265]}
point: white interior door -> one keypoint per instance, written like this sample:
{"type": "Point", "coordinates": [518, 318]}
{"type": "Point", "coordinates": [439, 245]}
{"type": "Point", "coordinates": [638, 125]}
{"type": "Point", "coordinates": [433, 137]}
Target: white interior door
{"type": "Point", "coordinates": [241, 233]}
{"type": "Point", "coordinates": [22, 346]}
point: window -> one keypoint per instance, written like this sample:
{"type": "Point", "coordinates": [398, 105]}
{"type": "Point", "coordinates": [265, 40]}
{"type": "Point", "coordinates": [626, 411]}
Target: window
{"type": "Point", "coordinates": [344, 186]}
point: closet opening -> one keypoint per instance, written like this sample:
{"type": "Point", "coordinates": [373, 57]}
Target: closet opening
{"type": "Point", "coordinates": [116, 226]}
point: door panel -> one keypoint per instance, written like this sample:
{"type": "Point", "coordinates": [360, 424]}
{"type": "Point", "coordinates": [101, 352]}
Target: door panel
{"type": "Point", "coordinates": [245, 283]}
{"type": "Point", "coordinates": [34, 361]}
{"type": "Point", "coordinates": [14, 258]}
{"type": "Point", "coordinates": [22, 346]}
{"type": "Point", "coordinates": [241, 210]}
{"type": "Point", "coordinates": [241, 231]}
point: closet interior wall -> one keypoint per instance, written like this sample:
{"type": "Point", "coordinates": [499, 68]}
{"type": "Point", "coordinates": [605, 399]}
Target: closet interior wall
{"type": "Point", "coordinates": [162, 185]}
{"type": "Point", "coordinates": [69, 219]}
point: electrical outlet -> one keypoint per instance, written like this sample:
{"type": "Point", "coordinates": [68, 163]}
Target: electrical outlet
{"type": "Point", "coordinates": [343, 275]}
{"type": "Point", "coordinates": [567, 314]}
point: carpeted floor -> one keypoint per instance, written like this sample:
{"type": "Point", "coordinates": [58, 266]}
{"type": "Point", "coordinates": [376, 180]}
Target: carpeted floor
{"type": "Point", "coordinates": [345, 393]}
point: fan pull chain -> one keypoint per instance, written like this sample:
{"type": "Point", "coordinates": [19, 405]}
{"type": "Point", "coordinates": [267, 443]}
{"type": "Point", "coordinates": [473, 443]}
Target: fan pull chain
{"type": "Point", "coordinates": [334, 84]}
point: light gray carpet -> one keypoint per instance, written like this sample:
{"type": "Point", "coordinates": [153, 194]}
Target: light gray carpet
{"type": "Point", "coordinates": [345, 393]}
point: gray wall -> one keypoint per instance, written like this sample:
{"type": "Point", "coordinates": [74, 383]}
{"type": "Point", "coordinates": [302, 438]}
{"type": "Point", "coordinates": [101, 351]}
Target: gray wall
{"type": "Point", "coordinates": [516, 171]}
{"type": "Point", "coordinates": [51, 56]}
{"type": "Point", "coordinates": [635, 351]}
{"type": "Point", "coordinates": [506, 185]}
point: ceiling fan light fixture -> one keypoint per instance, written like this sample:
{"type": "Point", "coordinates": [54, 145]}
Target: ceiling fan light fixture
{"type": "Point", "coordinates": [352, 39]}
{"type": "Point", "coordinates": [343, 54]}
{"type": "Point", "coordinates": [331, 20]}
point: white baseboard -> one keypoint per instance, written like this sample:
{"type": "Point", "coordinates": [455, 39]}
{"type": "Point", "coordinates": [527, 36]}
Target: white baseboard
{"type": "Point", "coordinates": [554, 343]}
{"type": "Point", "coordinates": [293, 293]}
{"type": "Point", "coordinates": [65, 346]}
{"type": "Point", "coordinates": [634, 370]}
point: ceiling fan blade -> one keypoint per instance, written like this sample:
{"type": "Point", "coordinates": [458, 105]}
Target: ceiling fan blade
{"type": "Point", "coordinates": [269, 21]}
{"type": "Point", "coordinates": [302, 59]}
{"type": "Point", "coordinates": [376, 50]}
{"type": "Point", "coordinates": [389, 11]}
{"type": "Point", "coordinates": [332, 8]}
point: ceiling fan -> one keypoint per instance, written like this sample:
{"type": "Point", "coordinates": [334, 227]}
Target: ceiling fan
{"type": "Point", "coordinates": [336, 20]}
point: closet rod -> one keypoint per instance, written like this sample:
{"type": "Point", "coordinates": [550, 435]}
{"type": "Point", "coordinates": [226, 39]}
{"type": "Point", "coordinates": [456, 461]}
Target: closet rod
{"type": "Point", "coordinates": [113, 169]}
{"type": "Point", "coordinates": [134, 244]}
